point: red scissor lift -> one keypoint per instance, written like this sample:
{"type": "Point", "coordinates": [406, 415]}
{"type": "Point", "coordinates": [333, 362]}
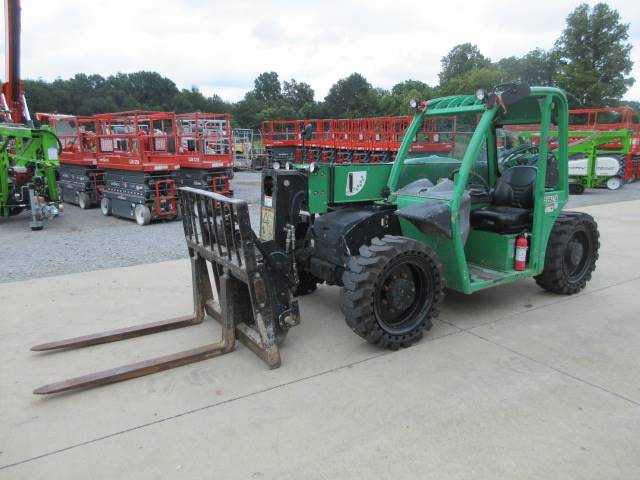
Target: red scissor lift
{"type": "Point", "coordinates": [205, 151]}
{"type": "Point", "coordinates": [282, 139]}
{"type": "Point", "coordinates": [611, 118]}
{"type": "Point", "coordinates": [361, 140]}
{"type": "Point", "coordinates": [137, 150]}
{"type": "Point", "coordinates": [81, 181]}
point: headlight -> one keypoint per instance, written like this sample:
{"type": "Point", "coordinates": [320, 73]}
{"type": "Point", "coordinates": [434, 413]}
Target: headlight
{"type": "Point", "coordinates": [288, 166]}
{"type": "Point", "coordinates": [276, 165]}
{"type": "Point", "coordinates": [313, 167]}
{"type": "Point", "coordinates": [480, 94]}
{"type": "Point", "coordinates": [413, 103]}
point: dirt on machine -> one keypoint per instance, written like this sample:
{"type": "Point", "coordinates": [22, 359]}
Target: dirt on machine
{"type": "Point", "coordinates": [392, 235]}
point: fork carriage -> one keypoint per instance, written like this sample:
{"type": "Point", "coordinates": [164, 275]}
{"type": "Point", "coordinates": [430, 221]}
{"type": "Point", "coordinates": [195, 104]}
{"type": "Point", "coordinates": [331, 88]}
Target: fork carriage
{"type": "Point", "coordinates": [252, 300]}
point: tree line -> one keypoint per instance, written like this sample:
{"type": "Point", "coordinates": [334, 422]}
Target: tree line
{"type": "Point", "coordinates": [590, 60]}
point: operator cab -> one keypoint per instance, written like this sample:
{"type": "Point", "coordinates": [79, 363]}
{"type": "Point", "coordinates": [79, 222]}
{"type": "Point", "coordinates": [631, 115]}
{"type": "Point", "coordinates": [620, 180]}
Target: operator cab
{"type": "Point", "coordinates": [486, 187]}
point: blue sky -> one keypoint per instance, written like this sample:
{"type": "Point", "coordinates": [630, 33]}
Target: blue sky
{"type": "Point", "coordinates": [221, 46]}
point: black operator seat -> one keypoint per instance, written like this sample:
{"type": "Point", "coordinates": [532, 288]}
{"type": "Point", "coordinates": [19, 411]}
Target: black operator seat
{"type": "Point", "coordinates": [511, 204]}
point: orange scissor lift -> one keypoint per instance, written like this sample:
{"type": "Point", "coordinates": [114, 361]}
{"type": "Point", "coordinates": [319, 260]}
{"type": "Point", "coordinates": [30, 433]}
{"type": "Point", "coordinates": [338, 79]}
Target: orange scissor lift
{"type": "Point", "coordinates": [360, 140]}
{"type": "Point", "coordinates": [205, 151]}
{"type": "Point", "coordinates": [137, 150]}
{"type": "Point", "coordinates": [80, 180]}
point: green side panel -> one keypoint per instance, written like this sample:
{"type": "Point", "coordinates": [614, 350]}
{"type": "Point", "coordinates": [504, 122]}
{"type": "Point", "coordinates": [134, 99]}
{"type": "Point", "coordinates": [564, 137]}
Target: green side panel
{"type": "Point", "coordinates": [359, 183]}
{"type": "Point", "coordinates": [553, 202]}
{"type": "Point", "coordinates": [319, 184]}
{"type": "Point", "coordinates": [453, 270]}
{"type": "Point", "coordinates": [454, 266]}
{"type": "Point", "coordinates": [491, 250]}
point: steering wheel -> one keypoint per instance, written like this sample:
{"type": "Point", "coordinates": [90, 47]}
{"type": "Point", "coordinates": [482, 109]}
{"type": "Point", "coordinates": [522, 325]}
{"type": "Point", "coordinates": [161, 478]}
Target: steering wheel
{"type": "Point", "coordinates": [483, 182]}
{"type": "Point", "coordinates": [517, 156]}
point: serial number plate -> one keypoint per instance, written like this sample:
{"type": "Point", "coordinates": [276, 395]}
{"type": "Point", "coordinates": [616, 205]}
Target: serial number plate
{"type": "Point", "coordinates": [266, 224]}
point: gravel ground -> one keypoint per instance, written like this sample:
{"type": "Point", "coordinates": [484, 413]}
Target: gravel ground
{"type": "Point", "coordinates": [84, 240]}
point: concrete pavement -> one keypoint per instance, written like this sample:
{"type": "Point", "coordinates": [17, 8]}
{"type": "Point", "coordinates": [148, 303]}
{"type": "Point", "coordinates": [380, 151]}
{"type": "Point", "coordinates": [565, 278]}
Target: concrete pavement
{"type": "Point", "coordinates": [511, 382]}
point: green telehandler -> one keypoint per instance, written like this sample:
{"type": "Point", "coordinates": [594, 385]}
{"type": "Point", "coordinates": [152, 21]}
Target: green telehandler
{"type": "Point", "coordinates": [391, 235]}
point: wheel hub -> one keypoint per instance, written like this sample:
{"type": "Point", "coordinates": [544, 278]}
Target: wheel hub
{"type": "Point", "coordinates": [401, 293]}
{"type": "Point", "coordinates": [576, 252]}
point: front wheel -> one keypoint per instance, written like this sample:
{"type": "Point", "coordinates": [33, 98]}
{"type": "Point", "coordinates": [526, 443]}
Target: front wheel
{"type": "Point", "coordinates": [84, 200]}
{"type": "Point", "coordinates": [391, 291]}
{"type": "Point", "coordinates": [105, 206]}
{"type": "Point", "coordinates": [142, 214]}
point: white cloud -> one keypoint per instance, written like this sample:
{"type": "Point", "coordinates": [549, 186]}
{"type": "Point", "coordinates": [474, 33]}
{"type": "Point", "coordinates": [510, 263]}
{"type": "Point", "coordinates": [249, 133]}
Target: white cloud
{"type": "Point", "coordinates": [220, 47]}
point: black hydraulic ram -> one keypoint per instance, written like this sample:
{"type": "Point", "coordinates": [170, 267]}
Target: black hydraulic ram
{"type": "Point", "coordinates": [253, 300]}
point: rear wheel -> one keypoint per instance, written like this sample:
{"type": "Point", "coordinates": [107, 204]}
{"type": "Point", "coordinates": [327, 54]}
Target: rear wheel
{"type": "Point", "coordinates": [142, 214]}
{"type": "Point", "coordinates": [576, 188]}
{"type": "Point", "coordinates": [84, 201]}
{"type": "Point", "coordinates": [572, 252]}
{"type": "Point", "coordinates": [105, 206]}
{"type": "Point", "coordinates": [614, 183]}
{"type": "Point", "coordinates": [391, 291]}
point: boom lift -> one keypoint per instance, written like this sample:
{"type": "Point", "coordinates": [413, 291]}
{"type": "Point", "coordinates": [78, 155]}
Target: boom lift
{"type": "Point", "coordinates": [28, 155]}
{"type": "Point", "coordinates": [597, 158]}
{"type": "Point", "coordinates": [392, 236]}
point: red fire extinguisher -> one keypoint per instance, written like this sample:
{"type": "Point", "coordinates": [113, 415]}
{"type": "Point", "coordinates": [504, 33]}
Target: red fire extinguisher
{"type": "Point", "coordinates": [522, 245]}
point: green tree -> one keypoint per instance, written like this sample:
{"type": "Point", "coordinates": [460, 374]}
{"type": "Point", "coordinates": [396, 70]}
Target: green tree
{"type": "Point", "coordinates": [461, 59]}
{"type": "Point", "coordinates": [594, 55]}
{"type": "Point", "coordinates": [351, 97]}
{"type": "Point", "coordinates": [537, 67]}
{"type": "Point", "coordinates": [40, 96]}
{"type": "Point", "coordinates": [468, 83]}
{"type": "Point", "coordinates": [245, 112]}
{"type": "Point", "coordinates": [297, 94]}
{"type": "Point", "coordinates": [408, 86]}
{"type": "Point", "coordinates": [267, 87]}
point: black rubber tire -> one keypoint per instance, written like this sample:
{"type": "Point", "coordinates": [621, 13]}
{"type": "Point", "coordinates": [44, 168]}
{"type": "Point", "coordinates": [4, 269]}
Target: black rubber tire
{"type": "Point", "coordinates": [365, 275]}
{"type": "Point", "coordinates": [555, 277]}
{"type": "Point", "coordinates": [576, 188]}
{"type": "Point", "coordinates": [308, 284]}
